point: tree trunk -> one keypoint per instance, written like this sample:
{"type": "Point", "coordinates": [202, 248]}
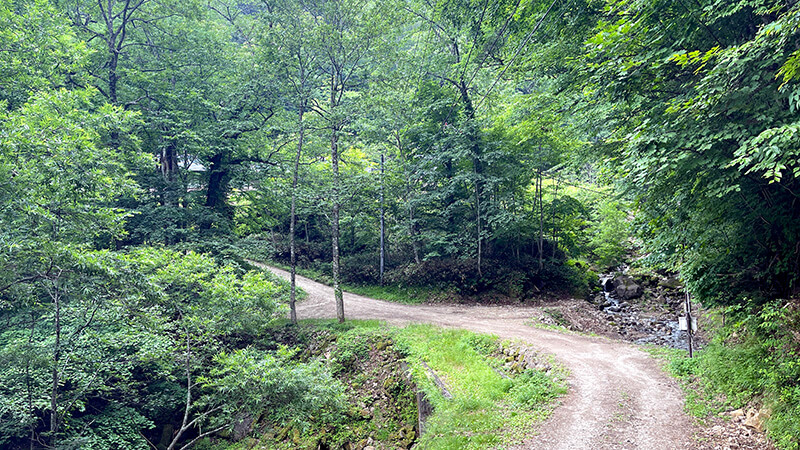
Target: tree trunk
{"type": "Point", "coordinates": [55, 295]}
{"type": "Point", "coordinates": [541, 221]}
{"type": "Point", "coordinates": [216, 195]}
{"type": "Point", "coordinates": [383, 225]}
{"type": "Point", "coordinates": [555, 229]}
{"type": "Point", "coordinates": [293, 220]}
{"type": "Point", "coordinates": [478, 221]}
{"type": "Point", "coordinates": [477, 165]}
{"type": "Point", "coordinates": [337, 289]}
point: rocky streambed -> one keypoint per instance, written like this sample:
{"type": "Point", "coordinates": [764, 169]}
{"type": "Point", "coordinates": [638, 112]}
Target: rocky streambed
{"type": "Point", "coordinates": [643, 308]}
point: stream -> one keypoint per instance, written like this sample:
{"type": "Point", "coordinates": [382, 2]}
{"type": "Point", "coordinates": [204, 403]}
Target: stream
{"type": "Point", "coordinates": [643, 327]}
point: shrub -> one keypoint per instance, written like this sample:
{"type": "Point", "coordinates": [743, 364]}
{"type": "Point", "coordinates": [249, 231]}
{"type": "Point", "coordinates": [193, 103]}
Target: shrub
{"type": "Point", "coordinates": [755, 358]}
{"type": "Point", "coordinates": [284, 390]}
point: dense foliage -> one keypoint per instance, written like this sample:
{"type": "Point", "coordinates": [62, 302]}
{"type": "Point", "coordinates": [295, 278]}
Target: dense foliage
{"type": "Point", "coordinates": [464, 146]}
{"type": "Point", "coordinates": [701, 125]}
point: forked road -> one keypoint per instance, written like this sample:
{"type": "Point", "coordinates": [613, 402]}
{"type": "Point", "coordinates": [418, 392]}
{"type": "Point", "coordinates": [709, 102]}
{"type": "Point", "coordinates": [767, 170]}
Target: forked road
{"type": "Point", "coordinates": [618, 398]}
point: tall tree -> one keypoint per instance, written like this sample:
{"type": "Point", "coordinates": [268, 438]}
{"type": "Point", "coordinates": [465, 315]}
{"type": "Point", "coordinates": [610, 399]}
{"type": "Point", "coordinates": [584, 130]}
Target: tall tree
{"type": "Point", "coordinates": [349, 32]}
{"type": "Point", "coordinates": [288, 36]}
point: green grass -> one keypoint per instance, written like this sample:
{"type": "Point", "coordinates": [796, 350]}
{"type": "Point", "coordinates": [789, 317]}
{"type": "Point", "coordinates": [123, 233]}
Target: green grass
{"type": "Point", "coordinates": [411, 295]}
{"type": "Point", "coordinates": [700, 400]}
{"type": "Point", "coordinates": [487, 410]}
{"type": "Point", "coordinates": [392, 293]}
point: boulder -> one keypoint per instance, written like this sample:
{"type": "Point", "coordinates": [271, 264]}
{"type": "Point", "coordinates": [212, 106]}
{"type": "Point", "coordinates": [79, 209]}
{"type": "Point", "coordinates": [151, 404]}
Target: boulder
{"type": "Point", "coordinates": [607, 283]}
{"type": "Point", "coordinates": [670, 283]}
{"type": "Point", "coordinates": [626, 288]}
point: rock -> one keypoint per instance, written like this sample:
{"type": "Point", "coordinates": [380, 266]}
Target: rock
{"type": "Point", "coordinates": [737, 414]}
{"type": "Point", "coordinates": [670, 283]}
{"type": "Point", "coordinates": [242, 427]}
{"type": "Point", "coordinates": [756, 419]}
{"type": "Point", "coordinates": [626, 288]}
{"type": "Point", "coordinates": [607, 283]}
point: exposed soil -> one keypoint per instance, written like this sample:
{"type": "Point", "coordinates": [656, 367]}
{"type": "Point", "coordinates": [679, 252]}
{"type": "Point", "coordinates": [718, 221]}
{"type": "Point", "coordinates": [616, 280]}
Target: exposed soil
{"type": "Point", "coordinates": [619, 397]}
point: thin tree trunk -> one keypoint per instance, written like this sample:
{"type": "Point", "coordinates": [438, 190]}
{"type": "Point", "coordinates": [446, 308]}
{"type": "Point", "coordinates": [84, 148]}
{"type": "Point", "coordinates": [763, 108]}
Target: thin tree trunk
{"type": "Point", "coordinates": [478, 222]}
{"type": "Point", "coordinates": [337, 289]}
{"type": "Point", "coordinates": [28, 381]}
{"type": "Point", "coordinates": [476, 164]}
{"type": "Point", "coordinates": [56, 296]}
{"type": "Point", "coordinates": [293, 220]}
{"type": "Point", "coordinates": [188, 404]}
{"type": "Point", "coordinates": [383, 224]}
{"type": "Point", "coordinates": [541, 221]}
{"type": "Point", "coordinates": [555, 229]}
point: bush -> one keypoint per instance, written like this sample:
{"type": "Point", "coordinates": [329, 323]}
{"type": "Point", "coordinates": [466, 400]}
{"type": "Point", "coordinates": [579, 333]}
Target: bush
{"type": "Point", "coordinates": [351, 346]}
{"type": "Point", "coordinates": [274, 385]}
{"type": "Point", "coordinates": [609, 234]}
{"type": "Point", "coordinates": [363, 268]}
{"type": "Point", "coordinates": [755, 359]}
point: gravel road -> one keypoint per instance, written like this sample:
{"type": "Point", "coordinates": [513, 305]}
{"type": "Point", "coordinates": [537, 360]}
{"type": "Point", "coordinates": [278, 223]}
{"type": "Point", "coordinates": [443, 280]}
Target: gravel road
{"type": "Point", "coordinates": [618, 398]}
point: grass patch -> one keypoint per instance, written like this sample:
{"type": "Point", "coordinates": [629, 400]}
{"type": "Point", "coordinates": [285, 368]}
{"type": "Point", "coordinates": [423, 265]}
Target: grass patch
{"type": "Point", "coordinates": [411, 295]}
{"type": "Point", "coordinates": [487, 410]}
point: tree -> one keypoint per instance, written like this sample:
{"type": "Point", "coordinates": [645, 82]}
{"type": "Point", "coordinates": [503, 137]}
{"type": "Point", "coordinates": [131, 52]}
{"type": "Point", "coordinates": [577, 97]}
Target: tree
{"type": "Point", "coordinates": [289, 38]}
{"type": "Point", "coordinates": [703, 137]}
{"type": "Point", "coordinates": [51, 213]}
{"type": "Point", "coordinates": [348, 32]}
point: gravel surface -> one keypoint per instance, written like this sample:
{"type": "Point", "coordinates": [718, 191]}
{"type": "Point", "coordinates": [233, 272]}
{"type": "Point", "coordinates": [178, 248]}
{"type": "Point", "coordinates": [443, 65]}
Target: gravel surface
{"type": "Point", "coordinates": [619, 398]}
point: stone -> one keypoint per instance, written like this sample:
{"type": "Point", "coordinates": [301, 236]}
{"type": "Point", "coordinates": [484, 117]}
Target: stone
{"type": "Point", "coordinates": [756, 419]}
{"type": "Point", "coordinates": [736, 414]}
{"type": "Point", "coordinates": [242, 427]}
{"type": "Point", "coordinates": [607, 283]}
{"type": "Point", "coordinates": [626, 288]}
{"type": "Point", "coordinates": [670, 283]}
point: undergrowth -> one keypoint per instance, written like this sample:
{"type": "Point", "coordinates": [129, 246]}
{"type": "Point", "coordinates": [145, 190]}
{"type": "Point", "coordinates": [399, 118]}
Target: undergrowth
{"type": "Point", "coordinates": [752, 361]}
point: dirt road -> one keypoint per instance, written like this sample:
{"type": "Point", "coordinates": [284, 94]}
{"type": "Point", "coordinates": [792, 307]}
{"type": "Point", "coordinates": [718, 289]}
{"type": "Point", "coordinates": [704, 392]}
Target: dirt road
{"type": "Point", "coordinates": [618, 399]}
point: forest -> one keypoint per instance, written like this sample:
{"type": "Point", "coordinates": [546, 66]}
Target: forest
{"type": "Point", "coordinates": [153, 152]}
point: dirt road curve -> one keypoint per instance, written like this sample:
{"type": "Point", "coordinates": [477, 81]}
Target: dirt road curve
{"type": "Point", "coordinates": [619, 398]}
